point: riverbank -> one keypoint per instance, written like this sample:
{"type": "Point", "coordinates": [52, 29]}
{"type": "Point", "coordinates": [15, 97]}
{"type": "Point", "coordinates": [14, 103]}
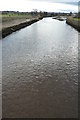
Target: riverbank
{"type": "Point", "coordinates": [74, 22]}
{"type": "Point", "coordinates": [10, 25]}
{"type": "Point", "coordinates": [16, 24]}
{"type": "Point", "coordinates": [60, 18]}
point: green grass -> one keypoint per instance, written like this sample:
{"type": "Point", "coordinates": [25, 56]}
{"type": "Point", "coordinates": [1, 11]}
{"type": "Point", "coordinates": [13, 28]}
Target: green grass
{"type": "Point", "coordinates": [0, 15]}
{"type": "Point", "coordinates": [15, 16]}
{"type": "Point", "coordinates": [77, 19]}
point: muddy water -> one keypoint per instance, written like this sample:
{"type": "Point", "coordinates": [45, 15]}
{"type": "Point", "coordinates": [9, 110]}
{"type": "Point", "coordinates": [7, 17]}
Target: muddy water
{"type": "Point", "coordinates": [40, 71]}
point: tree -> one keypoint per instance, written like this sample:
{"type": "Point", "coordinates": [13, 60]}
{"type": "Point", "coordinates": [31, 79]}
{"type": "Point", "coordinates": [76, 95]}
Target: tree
{"type": "Point", "coordinates": [70, 13]}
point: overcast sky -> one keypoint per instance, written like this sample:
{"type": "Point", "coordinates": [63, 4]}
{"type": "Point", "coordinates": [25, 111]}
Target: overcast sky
{"type": "Point", "coordinates": [41, 5]}
{"type": "Point", "coordinates": [56, 0]}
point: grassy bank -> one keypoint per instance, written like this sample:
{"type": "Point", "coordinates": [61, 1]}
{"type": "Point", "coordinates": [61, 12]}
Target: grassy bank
{"type": "Point", "coordinates": [9, 30]}
{"type": "Point", "coordinates": [11, 17]}
{"type": "Point", "coordinates": [13, 22]}
{"type": "Point", "coordinates": [74, 22]}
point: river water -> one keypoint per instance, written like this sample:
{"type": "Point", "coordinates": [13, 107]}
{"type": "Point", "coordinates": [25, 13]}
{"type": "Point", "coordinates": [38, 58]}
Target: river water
{"type": "Point", "coordinates": [40, 71]}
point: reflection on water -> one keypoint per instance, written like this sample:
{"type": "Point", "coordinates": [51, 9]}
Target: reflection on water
{"type": "Point", "coordinates": [40, 71]}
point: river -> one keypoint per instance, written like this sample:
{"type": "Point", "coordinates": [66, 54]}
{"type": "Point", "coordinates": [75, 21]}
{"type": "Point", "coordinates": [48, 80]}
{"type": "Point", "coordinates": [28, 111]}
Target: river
{"type": "Point", "coordinates": [40, 71]}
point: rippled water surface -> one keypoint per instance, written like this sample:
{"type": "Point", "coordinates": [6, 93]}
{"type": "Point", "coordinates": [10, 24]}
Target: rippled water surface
{"type": "Point", "coordinates": [40, 71]}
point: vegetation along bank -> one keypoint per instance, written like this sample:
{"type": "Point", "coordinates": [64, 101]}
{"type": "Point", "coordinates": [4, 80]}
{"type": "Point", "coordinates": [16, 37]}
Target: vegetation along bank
{"type": "Point", "coordinates": [74, 22]}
